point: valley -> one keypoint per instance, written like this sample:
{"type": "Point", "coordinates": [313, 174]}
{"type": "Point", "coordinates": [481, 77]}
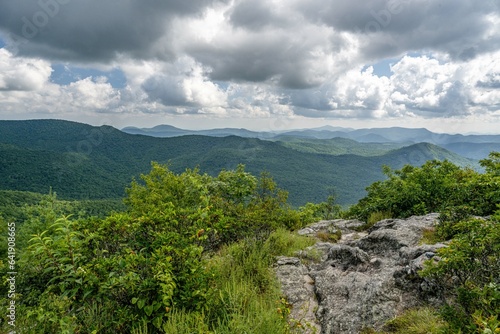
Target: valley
{"type": "Point", "coordinates": [79, 161]}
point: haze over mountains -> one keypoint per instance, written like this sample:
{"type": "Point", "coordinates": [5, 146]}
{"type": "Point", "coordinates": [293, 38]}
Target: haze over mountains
{"type": "Point", "coordinates": [469, 146]}
{"type": "Point", "coordinates": [79, 161]}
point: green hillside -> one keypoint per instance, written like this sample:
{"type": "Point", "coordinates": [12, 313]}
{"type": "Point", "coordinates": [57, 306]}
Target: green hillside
{"type": "Point", "coordinates": [337, 146]}
{"type": "Point", "coordinates": [79, 161]}
{"type": "Point", "coordinates": [14, 205]}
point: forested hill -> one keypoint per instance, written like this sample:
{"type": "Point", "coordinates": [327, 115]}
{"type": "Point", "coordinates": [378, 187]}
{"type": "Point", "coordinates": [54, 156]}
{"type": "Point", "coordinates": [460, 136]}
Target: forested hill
{"type": "Point", "coordinates": [80, 161]}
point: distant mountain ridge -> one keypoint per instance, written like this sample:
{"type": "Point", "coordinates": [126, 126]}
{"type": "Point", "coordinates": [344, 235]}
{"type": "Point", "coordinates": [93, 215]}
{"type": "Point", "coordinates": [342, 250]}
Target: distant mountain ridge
{"type": "Point", "coordinates": [168, 131]}
{"type": "Point", "coordinates": [470, 146]}
{"type": "Point", "coordinates": [79, 161]}
{"type": "Point", "coordinates": [392, 134]}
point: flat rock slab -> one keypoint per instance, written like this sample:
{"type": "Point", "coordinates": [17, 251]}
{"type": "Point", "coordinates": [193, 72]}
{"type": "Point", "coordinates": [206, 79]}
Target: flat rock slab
{"type": "Point", "coordinates": [362, 281]}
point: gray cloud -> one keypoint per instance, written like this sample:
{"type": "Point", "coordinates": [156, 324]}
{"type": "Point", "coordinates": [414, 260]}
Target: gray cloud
{"type": "Point", "coordinates": [255, 15]}
{"type": "Point", "coordinates": [169, 92]}
{"type": "Point", "coordinates": [272, 57]}
{"type": "Point", "coordinates": [93, 30]}
{"type": "Point", "coordinates": [292, 59]}
{"type": "Point", "coordinates": [493, 81]}
{"type": "Point", "coordinates": [392, 27]}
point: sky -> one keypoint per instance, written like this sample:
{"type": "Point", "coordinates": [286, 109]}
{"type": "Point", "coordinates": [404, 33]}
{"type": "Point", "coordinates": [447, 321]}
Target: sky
{"type": "Point", "coordinates": [258, 64]}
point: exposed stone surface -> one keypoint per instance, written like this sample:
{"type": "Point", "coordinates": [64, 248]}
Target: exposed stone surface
{"type": "Point", "coordinates": [363, 280]}
{"type": "Point", "coordinates": [330, 226]}
{"type": "Point", "coordinates": [298, 287]}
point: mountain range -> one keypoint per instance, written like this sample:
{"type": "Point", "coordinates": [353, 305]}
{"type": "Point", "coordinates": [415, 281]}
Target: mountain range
{"type": "Point", "coordinates": [470, 146]}
{"type": "Point", "coordinates": [80, 161]}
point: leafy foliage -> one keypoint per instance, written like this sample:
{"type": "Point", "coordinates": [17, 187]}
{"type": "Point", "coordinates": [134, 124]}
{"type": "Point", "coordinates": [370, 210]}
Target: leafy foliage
{"type": "Point", "coordinates": [191, 251]}
{"type": "Point", "coordinates": [469, 271]}
{"type": "Point", "coordinates": [436, 186]}
{"type": "Point", "coordinates": [147, 268]}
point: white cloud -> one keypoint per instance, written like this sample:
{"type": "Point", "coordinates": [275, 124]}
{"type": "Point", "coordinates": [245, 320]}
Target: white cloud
{"type": "Point", "coordinates": [428, 87]}
{"type": "Point", "coordinates": [87, 96]}
{"type": "Point", "coordinates": [424, 85]}
{"type": "Point", "coordinates": [262, 59]}
{"type": "Point", "coordinates": [252, 100]}
{"type": "Point", "coordinates": [91, 94]}
{"type": "Point", "coordinates": [22, 74]}
{"type": "Point", "coordinates": [482, 76]}
{"type": "Point", "coordinates": [361, 90]}
{"type": "Point", "coordinates": [181, 84]}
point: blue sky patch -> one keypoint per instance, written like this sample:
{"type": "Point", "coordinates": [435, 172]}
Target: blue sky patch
{"type": "Point", "coordinates": [383, 67]}
{"type": "Point", "coordinates": [64, 75]}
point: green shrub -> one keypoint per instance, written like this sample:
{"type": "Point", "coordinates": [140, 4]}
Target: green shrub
{"type": "Point", "coordinates": [245, 295]}
{"type": "Point", "coordinates": [430, 236]}
{"type": "Point", "coordinates": [184, 322]}
{"type": "Point", "coordinates": [434, 187]}
{"type": "Point", "coordinates": [469, 273]}
{"type": "Point", "coordinates": [140, 270]}
{"type": "Point", "coordinates": [375, 217]}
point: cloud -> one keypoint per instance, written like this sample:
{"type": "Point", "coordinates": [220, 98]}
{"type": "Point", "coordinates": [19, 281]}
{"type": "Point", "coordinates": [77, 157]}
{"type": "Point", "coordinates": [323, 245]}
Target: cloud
{"type": "Point", "coordinates": [87, 96]}
{"type": "Point", "coordinates": [252, 100]}
{"type": "Point", "coordinates": [280, 48]}
{"type": "Point", "coordinates": [94, 30]}
{"type": "Point", "coordinates": [430, 88]}
{"type": "Point", "coordinates": [183, 84]}
{"type": "Point", "coordinates": [94, 94]}
{"type": "Point", "coordinates": [463, 29]}
{"type": "Point", "coordinates": [22, 74]}
{"type": "Point", "coordinates": [424, 86]}
{"type": "Point", "coordinates": [419, 87]}
{"type": "Point", "coordinates": [257, 15]}
{"type": "Point", "coordinates": [255, 58]}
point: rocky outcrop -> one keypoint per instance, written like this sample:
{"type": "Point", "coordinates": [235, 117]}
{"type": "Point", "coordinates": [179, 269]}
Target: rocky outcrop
{"type": "Point", "coordinates": [363, 280]}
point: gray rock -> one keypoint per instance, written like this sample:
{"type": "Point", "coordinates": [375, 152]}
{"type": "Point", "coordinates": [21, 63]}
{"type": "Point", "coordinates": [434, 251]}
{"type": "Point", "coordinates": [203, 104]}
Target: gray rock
{"type": "Point", "coordinates": [389, 235]}
{"type": "Point", "coordinates": [284, 260]}
{"type": "Point", "coordinates": [298, 288]}
{"type": "Point", "coordinates": [347, 257]}
{"type": "Point", "coordinates": [364, 281]}
{"type": "Point", "coordinates": [321, 226]}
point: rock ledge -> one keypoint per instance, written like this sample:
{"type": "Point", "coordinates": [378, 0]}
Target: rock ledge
{"type": "Point", "coordinates": [363, 280]}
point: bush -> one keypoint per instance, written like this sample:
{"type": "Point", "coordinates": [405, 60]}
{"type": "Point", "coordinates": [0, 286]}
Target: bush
{"type": "Point", "coordinates": [434, 187]}
{"type": "Point", "coordinates": [146, 269]}
{"type": "Point", "coordinates": [469, 274]}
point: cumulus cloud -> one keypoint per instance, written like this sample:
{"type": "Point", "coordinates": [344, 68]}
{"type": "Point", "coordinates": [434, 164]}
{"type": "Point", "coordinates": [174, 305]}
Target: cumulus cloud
{"type": "Point", "coordinates": [86, 96]}
{"type": "Point", "coordinates": [419, 86]}
{"type": "Point", "coordinates": [298, 55]}
{"type": "Point", "coordinates": [96, 94]}
{"type": "Point", "coordinates": [423, 85]}
{"type": "Point", "coordinates": [183, 84]}
{"type": "Point", "coordinates": [256, 58]}
{"type": "Point", "coordinates": [22, 74]}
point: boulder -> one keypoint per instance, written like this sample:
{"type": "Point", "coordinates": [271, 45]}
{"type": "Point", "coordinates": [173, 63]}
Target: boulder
{"type": "Point", "coordinates": [360, 282]}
